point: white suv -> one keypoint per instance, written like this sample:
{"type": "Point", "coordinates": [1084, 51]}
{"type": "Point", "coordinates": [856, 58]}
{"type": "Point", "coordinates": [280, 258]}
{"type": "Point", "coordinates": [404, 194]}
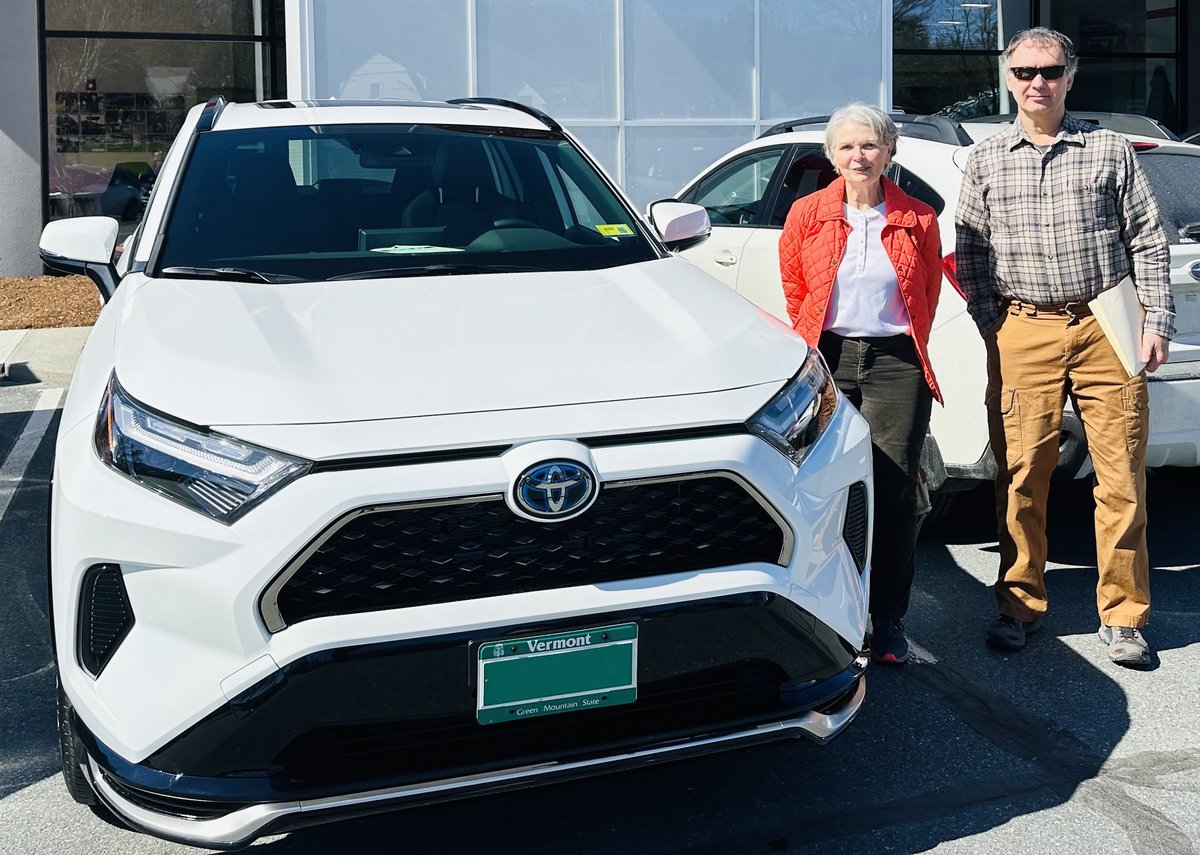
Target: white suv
{"type": "Point", "coordinates": [749, 191]}
{"type": "Point", "coordinates": [405, 459]}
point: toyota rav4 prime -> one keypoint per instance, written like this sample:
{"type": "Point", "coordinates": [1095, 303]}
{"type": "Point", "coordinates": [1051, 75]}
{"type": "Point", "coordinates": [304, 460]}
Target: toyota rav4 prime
{"type": "Point", "coordinates": [405, 460]}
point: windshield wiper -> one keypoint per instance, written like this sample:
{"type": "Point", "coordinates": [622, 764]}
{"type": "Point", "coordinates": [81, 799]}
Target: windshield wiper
{"type": "Point", "coordinates": [434, 270]}
{"type": "Point", "coordinates": [233, 274]}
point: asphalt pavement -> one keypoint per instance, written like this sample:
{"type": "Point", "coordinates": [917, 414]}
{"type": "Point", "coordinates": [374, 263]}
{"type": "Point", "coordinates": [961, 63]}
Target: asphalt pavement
{"type": "Point", "coordinates": [966, 750]}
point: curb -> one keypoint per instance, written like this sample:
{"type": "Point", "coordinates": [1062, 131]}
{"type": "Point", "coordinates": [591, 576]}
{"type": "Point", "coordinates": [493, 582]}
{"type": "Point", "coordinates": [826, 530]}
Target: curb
{"type": "Point", "coordinates": [40, 356]}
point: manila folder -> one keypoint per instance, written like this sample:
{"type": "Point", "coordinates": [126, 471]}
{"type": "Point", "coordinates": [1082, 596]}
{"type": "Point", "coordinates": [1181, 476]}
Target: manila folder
{"type": "Point", "coordinates": [1121, 316]}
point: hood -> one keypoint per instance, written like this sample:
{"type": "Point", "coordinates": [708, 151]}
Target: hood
{"type": "Point", "coordinates": [231, 353]}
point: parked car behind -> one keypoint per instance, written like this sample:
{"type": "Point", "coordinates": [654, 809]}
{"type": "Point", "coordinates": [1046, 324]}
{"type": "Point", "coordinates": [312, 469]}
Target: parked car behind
{"type": "Point", "coordinates": [749, 191]}
{"type": "Point", "coordinates": [406, 460]}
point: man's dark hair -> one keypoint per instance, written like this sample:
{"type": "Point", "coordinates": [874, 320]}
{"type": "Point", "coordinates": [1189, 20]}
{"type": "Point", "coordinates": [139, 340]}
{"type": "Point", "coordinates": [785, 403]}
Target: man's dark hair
{"type": "Point", "coordinates": [1046, 37]}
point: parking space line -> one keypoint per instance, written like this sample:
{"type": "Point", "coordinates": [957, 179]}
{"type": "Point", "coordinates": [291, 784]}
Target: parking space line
{"type": "Point", "coordinates": [13, 469]}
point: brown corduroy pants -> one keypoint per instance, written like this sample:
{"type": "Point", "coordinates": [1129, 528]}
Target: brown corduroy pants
{"type": "Point", "coordinates": [1035, 361]}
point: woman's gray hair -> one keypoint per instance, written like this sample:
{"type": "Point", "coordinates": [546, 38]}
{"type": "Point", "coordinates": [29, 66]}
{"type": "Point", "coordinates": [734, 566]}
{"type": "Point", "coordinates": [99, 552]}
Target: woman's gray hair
{"type": "Point", "coordinates": [879, 122]}
{"type": "Point", "coordinates": [1043, 37]}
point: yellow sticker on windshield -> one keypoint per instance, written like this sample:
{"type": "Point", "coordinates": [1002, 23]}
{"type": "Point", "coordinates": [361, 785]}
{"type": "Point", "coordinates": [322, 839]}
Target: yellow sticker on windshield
{"type": "Point", "coordinates": [613, 229]}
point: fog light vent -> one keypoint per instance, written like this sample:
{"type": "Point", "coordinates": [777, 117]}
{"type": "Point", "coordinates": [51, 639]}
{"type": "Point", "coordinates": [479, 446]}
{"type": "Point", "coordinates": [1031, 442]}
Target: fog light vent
{"type": "Point", "coordinates": [105, 616]}
{"type": "Point", "coordinates": [856, 526]}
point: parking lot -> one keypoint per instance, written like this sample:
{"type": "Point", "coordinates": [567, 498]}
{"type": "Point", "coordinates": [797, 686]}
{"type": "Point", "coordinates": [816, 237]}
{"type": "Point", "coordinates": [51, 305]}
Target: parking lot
{"type": "Point", "coordinates": [963, 751]}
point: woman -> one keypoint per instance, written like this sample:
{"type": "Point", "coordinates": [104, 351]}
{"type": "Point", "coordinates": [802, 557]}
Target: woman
{"type": "Point", "coordinates": [861, 270]}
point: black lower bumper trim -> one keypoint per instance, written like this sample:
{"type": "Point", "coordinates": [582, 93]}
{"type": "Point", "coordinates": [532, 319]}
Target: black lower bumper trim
{"type": "Point", "coordinates": [402, 714]}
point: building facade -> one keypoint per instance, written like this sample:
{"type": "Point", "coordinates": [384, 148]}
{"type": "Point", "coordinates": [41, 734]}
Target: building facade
{"type": "Point", "coordinates": [95, 89]}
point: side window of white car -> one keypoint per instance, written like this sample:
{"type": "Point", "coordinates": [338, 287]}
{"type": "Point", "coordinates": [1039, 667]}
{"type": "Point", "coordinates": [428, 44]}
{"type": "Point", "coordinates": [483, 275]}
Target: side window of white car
{"type": "Point", "coordinates": [810, 170]}
{"type": "Point", "coordinates": [734, 193]}
{"type": "Point", "coordinates": [916, 187]}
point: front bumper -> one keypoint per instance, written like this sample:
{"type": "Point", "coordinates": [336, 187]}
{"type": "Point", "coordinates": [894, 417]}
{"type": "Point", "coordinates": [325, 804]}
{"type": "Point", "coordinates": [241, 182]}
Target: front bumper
{"type": "Point", "coordinates": [382, 726]}
{"type": "Point", "coordinates": [194, 721]}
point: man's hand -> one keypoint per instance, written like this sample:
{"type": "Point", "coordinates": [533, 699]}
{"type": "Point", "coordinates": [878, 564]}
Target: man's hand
{"type": "Point", "coordinates": [1154, 351]}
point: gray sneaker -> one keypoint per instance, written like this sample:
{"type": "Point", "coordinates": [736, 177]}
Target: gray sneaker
{"type": "Point", "coordinates": [1008, 633]}
{"type": "Point", "coordinates": [1126, 645]}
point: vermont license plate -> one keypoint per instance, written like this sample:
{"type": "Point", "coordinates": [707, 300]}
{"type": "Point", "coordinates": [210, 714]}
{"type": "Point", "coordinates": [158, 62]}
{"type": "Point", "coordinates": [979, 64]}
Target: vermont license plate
{"type": "Point", "coordinates": [565, 672]}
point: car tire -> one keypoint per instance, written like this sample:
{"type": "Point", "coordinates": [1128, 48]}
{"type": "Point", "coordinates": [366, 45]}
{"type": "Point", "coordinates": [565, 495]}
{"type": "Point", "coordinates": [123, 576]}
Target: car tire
{"type": "Point", "coordinates": [72, 753]}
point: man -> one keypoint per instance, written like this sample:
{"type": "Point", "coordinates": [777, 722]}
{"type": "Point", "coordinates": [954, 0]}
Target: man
{"type": "Point", "coordinates": [1052, 212]}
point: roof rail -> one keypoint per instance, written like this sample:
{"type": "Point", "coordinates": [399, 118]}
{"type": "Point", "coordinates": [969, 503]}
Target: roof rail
{"type": "Point", "coordinates": [208, 117]}
{"type": "Point", "coordinates": [515, 105]}
{"type": "Point", "coordinates": [936, 128]}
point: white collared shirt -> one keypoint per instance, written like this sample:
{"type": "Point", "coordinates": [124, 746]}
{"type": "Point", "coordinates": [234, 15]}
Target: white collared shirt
{"type": "Point", "coordinates": [866, 298]}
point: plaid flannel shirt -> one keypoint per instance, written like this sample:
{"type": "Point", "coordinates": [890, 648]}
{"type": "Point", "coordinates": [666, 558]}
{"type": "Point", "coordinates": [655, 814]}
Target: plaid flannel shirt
{"type": "Point", "coordinates": [1059, 227]}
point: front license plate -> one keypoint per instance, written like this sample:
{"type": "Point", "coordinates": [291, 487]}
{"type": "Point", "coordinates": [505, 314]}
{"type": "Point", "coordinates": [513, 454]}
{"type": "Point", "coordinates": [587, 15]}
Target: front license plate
{"type": "Point", "coordinates": [548, 674]}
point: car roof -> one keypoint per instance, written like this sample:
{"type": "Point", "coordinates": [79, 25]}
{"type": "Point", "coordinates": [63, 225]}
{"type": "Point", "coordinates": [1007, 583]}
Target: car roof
{"type": "Point", "coordinates": [1124, 123]}
{"type": "Point", "coordinates": [926, 127]}
{"type": "Point", "coordinates": [473, 112]}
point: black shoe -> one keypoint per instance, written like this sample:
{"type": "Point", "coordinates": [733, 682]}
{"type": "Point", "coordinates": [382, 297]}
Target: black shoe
{"type": "Point", "coordinates": [1008, 633]}
{"type": "Point", "coordinates": [888, 644]}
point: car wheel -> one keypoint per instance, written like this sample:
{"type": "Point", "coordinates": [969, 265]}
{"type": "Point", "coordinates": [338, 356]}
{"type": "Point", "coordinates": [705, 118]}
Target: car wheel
{"type": "Point", "coordinates": [72, 752]}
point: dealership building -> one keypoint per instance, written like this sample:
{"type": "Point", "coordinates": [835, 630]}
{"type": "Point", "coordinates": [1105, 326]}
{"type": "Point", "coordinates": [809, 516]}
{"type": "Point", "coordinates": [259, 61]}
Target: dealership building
{"type": "Point", "coordinates": [95, 90]}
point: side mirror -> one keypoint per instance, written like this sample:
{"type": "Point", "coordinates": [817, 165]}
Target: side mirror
{"type": "Point", "coordinates": [680, 224]}
{"type": "Point", "coordinates": [82, 245]}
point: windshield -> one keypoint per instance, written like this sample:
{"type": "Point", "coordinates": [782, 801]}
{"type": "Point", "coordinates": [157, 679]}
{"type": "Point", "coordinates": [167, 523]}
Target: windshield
{"type": "Point", "coordinates": [313, 203]}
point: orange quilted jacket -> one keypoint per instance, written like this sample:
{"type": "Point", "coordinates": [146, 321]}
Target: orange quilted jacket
{"type": "Point", "coordinates": [814, 240]}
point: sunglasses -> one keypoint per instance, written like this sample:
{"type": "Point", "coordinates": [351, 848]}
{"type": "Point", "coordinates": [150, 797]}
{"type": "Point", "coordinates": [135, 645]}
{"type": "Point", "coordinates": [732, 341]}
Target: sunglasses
{"type": "Point", "coordinates": [1048, 72]}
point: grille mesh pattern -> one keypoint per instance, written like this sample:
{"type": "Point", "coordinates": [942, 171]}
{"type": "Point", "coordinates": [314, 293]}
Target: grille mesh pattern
{"type": "Point", "coordinates": [407, 557]}
{"type": "Point", "coordinates": [105, 615]}
{"type": "Point", "coordinates": [855, 528]}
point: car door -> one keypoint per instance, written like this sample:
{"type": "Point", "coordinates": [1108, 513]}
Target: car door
{"type": "Point", "coordinates": [735, 194]}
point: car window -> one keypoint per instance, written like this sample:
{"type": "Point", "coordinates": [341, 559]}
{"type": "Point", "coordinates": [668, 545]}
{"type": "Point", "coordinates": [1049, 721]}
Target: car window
{"type": "Point", "coordinates": [320, 202]}
{"type": "Point", "coordinates": [914, 186]}
{"type": "Point", "coordinates": [733, 194]}
{"type": "Point", "coordinates": [1173, 180]}
{"type": "Point", "coordinates": [810, 170]}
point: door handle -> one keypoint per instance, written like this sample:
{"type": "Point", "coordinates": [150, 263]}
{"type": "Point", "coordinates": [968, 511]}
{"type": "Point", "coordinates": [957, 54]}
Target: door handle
{"type": "Point", "coordinates": [725, 258]}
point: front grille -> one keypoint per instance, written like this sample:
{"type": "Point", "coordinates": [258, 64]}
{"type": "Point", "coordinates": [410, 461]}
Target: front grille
{"type": "Point", "coordinates": [855, 528]}
{"type": "Point", "coordinates": [105, 616]}
{"type": "Point", "coordinates": [401, 556]}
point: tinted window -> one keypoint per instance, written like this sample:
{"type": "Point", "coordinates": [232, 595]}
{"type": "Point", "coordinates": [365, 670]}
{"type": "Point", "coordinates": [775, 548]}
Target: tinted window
{"type": "Point", "coordinates": [1173, 178]}
{"type": "Point", "coordinates": [733, 194]}
{"type": "Point", "coordinates": [810, 171]}
{"type": "Point", "coordinates": [918, 189]}
{"type": "Point", "coordinates": [317, 202]}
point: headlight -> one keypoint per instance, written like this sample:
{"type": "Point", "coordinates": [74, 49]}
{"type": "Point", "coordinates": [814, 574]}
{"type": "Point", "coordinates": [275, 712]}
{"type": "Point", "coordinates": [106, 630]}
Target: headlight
{"type": "Point", "coordinates": [795, 417]}
{"type": "Point", "coordinates": [213, 474]}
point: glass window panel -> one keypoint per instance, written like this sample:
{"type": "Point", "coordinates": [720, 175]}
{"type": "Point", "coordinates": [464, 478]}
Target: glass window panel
{"type": "Point", "coordinates": [659, 161]}
{"type": "Point", "coordinates": [687, 60]}
{"type": "Point", "coordinates": [1147, 87]}
{"type": "Point", "coordinates": [957, 86]}
{"type": "Point", "coordinates": [115, 106]}
{"type": "Point", "coordinates": [572, 73]}
{"type": "Point", "coordinates": [380, 44]}
{"type": "Point", "coordinates": [946, 24]}
{"type": "Point", "coordinates": [733, 194]}
{"type": "Point", "coordinates": [816, 56]}
{"type": "Point", "coordinates": [810, 171]}
{"type": "Point", "coordinates": [1173, 179]}
{"type": "Point", "coordinates": [601, 143]}
{"type": "Point", "coordinates": [1129, 26]}
{"type": "Point", "coordinates": [224, 17]}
